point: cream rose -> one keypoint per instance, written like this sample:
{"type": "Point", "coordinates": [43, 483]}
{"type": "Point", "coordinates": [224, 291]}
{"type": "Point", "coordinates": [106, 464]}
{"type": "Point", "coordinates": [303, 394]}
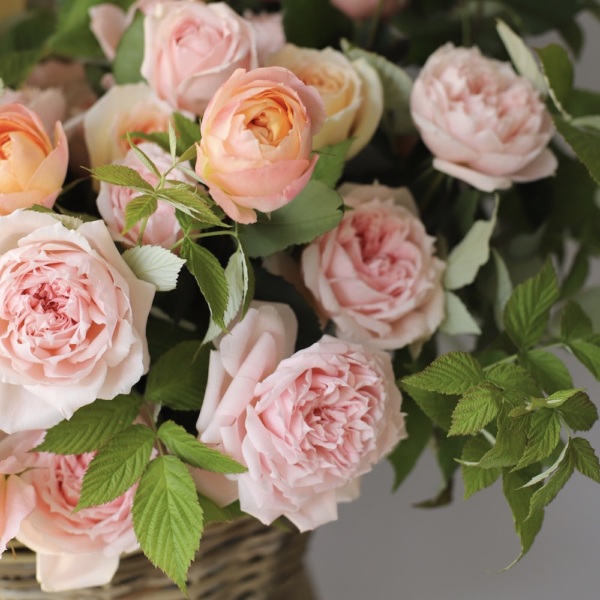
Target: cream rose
{"type": "Point", "coordinates": [307, 425]}
{"type": "Point", "coordinates": [351, 92]}
{"type": "Point", "coordinates": [255, 151]}
{"type": "Point", "coordinates": [375, 275]}
{"type": "Point", "coordinates": [191, 48]}
{"type": "Point", "coordinates": [32, 168]}
{"type": "Point", "coordinates": [72, 320]}
{"type": "Point", "coordinates": [483, 123]}
{"type": "Point", "coordinates": [162, 227]}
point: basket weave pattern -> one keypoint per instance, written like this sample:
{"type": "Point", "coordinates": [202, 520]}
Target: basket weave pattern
{"type": "Point", "coordinates": [242, 560]}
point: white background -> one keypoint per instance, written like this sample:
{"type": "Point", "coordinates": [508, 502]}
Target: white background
{"type": "Point", "coordinates": [382, 548]}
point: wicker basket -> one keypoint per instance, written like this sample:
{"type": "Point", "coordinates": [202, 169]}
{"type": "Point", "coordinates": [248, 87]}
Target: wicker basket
{"type": "Point", "coordinates": [242, 560]}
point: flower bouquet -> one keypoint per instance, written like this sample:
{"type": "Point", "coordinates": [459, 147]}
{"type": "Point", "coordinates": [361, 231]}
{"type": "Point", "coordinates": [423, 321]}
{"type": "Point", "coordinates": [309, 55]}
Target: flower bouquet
{"type": "Point", "coordinates": [250, 249]}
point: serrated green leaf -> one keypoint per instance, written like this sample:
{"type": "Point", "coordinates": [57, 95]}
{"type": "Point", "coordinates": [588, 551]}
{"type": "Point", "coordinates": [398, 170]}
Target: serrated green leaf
{"type": "Point", "coordinates": [527, 311]}
{"type": "Point", "coordinates": [476, 478]}
{"type": "Point", "coordinates": [167, 517]}
{"type": "Point", "coordinates": [210, 277]}
{"type": "Point", "coordinates": [160, 138]}
{"type": "Point", "coordinates": [141, 207]}
{"type": "Point", "coordinates": [549, 471]}
{"type": "Point", "coordinates": [117, 466]}
{"type": "Point", "coordinates": [521, 56]}
{"type": "Point", "coordinates": [16, 66]}
{"type": "Point", "coordinates": [438, 407]}
{"type": "Point", "coordinates": [513, 378]}
{"type": "Point", "coordinates": [330, 165]}
{"type": "Point", "coordinates": [458, 319]}
{"type": "Point", "coordinates": [470, 254]}
{"type": "Point", "coordinates": [314, 211]}
{"type": "Point", "coordinates": [527, 525]}
{"type": "Point", "coordinates": [557, 399]}
{"type": "Point", "coordinates": [543, 437]}
{"type": "Point", "coordinates": [585, 144]}
{"type": "Point", "coordinates": [547, 369]}
{"type": "Point", "coordinates": [189, 201]}
{"type": "Point", "coordinates": [91, 426]}
{"type": "Point", "coordinates": [154, 264]}
{"type": "Point", "coordinates": [121, 175]}
{"type": "Point", "coordinates": [178, 378]}
{"type": "Point", "coordinates": [419, 428]}
{"type": "Point", "coordinates": [504, 288]}
{"type": "Point", "coordinates": [578, 273]}
{"type": "Point", "coordinates": [574, 323]}
{"type": "Point", "coordinates": [588, 354]}
{"type": "Point", "coordinates": [451, 373]}
{"type": "Point", "coordinates": [192, 452]}
{"type": "Point", "coordinates": [558, 74]}
{"type": "Point", "coordinates": [478, 406]}
{"type": "Point", "coordinates": [143, 157]}
{"type": "Point", "coordinates": [585, 459]}
{"type": "Point", "coordinates": [448, 451]}
{"type": "Point", "coordinates": [189, 133]}
{"type": "Point", "coordinates": [511, 441]}
{"type": "Point", "coordinates": [213, 513]}
{"type": "Point", "coordinates": [579, 412]}
{"type": "Point", "coordinates": [130, 52]}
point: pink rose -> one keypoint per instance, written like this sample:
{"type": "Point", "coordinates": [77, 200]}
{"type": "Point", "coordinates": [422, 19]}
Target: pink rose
{"type": "Point", "coordinates": [32, 168]}
{"type": "Point", "coordinates": [375, 275]}
{"type": "Point", "coordinates": [361, 9]}
{"type": "Point", "coordinates": [307, 425]}
{"type": "Point", "coordinates": [162, 228]}
{"type": "Point", "coordinates": [49, 105]}
{"type": "Point", "coordinates": [74, 549]}
{"type": "Point", "coordinates": [72, 320]}
{"type": "Point", "coordinates": [270, 36]}
{"type": "Point", "coordinates": [484, 124]}
{"type": "Point", "coordinates": [256, 141]}
{"type": "Point", "coordinates": [191, 48]}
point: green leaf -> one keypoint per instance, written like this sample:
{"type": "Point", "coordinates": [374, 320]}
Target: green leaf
{"type": "Point", "coordinates": [521, 56]}
{"type": "Point", "coordinates": [397, 87]}
{"type": "Point", "coordinates": [404, 457]}
{"type": "Point", "coordinates": [121, 175]}
{"type": "Point", "coordinates": [130, 52]}
{"type": "Point", "coordinates": [437, 407]}
{"type": "Point", "coordinates": [451, 373]}
{"type": "Point", "coordinates": [91, 426]}
{"type": "Point", "coordinates": [213, 513]}
{"type": "Point", "coordinates": [585, 144]}
{"type": "Point", "coordinates": [167, 517]}
{"type": "Point", "coordinates": [192, 452]}
{"type": "Point", "coordinates": [513, 378]}
{"type": "Point", "coordinates": [458, 319]}
{"type": "Point", "coordinates": [511, 441]}
{"type": "Point", "coordinates": [117, 466]}
{"type": "Point", "coordinates": [315, 210]}
{"type": "Point", "coordinates": [528, 309]}
{"type": "Point", "coordinates": [141, 207]}
{"type": "Point", "coordinates": [527, 525]}
{"type": "Point", "coordinates": [16, 66]}
{"type": "Point", "coordinates": [504, 288]}
{"type": "Point", "coordinates": [474, 477]}
{"type": "Point", "coordinates": [470, 254]}
{"type": "Point", "coordinates": [178, 378]}
{"type": "Point", "coordinates": [189, 132]}
{"type": "Point", "coordinates": [210, 276]}
{"type": "Point", "coordinates": [543, 437]}
{"type": "Point", "coordinates": [475, 409]}
{"type": "Point", "coordinates": [579, 412]}
{"type": "Point", "coordinates": [578, 273]}
{"type": "Point", "coordinates": [585, 459]}
{"type": "Point", "coordinates": [588, 354]}
{"type": "Point", "coordinates": [574, 323]}
{"type": "Point", "coordinates": [154, 264]}
{"type": "Point", "coordinates": [330, 165]}
{"type": "Point", "coordinates": [143, 157]}
{"type": "Point", "coordinates": [547, 369]}
{"type": "Point", "coordinates": [558, 74]}
{"type": "Point", "coordinates": [188, 200]}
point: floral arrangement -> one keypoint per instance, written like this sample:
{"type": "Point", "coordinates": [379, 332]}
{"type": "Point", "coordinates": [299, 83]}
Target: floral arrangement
{"type": "Point", "coordinates": [249, 249]}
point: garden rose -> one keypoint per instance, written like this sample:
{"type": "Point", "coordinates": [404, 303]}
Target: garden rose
{"type": "Point", "coordinates": [307, 425]}
{"type": "Point", "coordinates": [256, 141]}
{"type": "Point", "coordinates": [162, 228]}
{"type": "Point", "coordinates": [72, 320]}
{"type": "Point", "coordinates": [74, 549]}
{"type": "Point", "coordinates": [49, 105]}
{"type": "Point", "coordinates": [191, 48]}
{"type": "Point", "coordinates": [123, 109]}
{"type": "Point", "coordinates": [484, 124]}
{"type": "Point", "coordinates": [361, 9]}
{"type": "Point", "coordinates": [32, 168]}
{"type": "Point", "coordinates": [351, 92]}
{"type": "Point", "coordinates": [270, 36]}
{"type": "Point", "coordinates": [375, 275]}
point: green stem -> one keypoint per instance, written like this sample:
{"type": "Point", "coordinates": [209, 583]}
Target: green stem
{"type": "Point", "coordinates": [374, 25]}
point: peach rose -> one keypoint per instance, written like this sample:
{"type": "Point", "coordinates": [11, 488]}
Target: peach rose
{"type": "Point", "coordinates": [375, 275]}
{"type": "Point", "coordinates": [74, 549]}
{"type": "Point", "coordinates": [32, 168]}
{"type": "Point", "coordinates": [361, 9]}
{"type": "Point", "coordinates": [351, 92]}
{"type": "Point", "coordinates": [123, 109]}
{"type": "Point", "coordinates": [72, 320]}
{"type": "Point", "coordinates": [162, 228]}
{"type": "Point", "coordinates": [49, 105]}
{"type": "Point", "coordinates": [307, 425]}
{"type": "Point", "coordinates": [256, 141]}
{"type": "Point", "coordinates": [191, 48]}
{"type": "Point", "coordinates": [484, 124]}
